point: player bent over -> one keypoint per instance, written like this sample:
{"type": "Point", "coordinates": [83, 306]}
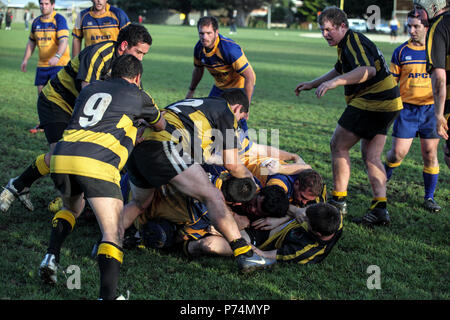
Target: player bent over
{"type": "Point", "coordinates": [87, 163]}
{"type": "Point", "coordinates": [195, 127]}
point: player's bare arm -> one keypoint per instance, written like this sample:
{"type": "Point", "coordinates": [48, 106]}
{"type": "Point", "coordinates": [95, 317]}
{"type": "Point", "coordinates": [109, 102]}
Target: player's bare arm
{"type": "Point", "coordinates": [305, 86]}
{"type": "Point", "coordinates": [358, 75]}
{"type": "Point", "coordinates": [439, 80]}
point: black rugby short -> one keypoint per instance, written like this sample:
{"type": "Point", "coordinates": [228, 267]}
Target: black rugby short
{"type": "Point", "coordinates": [154, 163]}
{"type": "Point", "coordinates": [52, 119]}
{"type": "Point", "coordinates": [71, 185]}
{"type": "Point", "coordinates": [367, 124]}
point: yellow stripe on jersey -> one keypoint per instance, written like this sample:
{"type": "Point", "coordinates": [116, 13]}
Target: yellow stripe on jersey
{"type": "Point", "coordinates": [304, 261]}
{"type": "Point", "coordinates": [94, 59]}
{"type": "Point", "coordinates": [278, 182]}
{"type": "Point", "coordinates": [204, 131]}
{"type": "Point", "coordinates": [106, 140]}
{"type": "Point", "coordinates": [86, 167]}
{"type": "Point", "coordinates": [361, 49]}
{"type": "Point", "coordinates": [55, 97]}
{"type": "Point", "coordinates": [124, 123]}
{"type": "Point", "coordinates": [281, 235]}
{"type": "Point", "coordinates": [430, 37]}
{"type": "Point", "coordinates": [102, 64]}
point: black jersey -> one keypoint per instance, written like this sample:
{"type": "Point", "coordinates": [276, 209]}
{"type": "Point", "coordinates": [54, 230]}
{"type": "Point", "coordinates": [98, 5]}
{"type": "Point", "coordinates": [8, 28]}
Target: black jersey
{"type": "Point", "coordinates": [102, 131]}
{"type": "Point", "coordinates": [379, 93]}
{"type": "Point", "coordinates": [93, 63]}
{"type": "Point", "coordinates": [438, 49]}
{"type": "Point", "coordinates": [204, 126]}
{"type": "Point", "coordinates": [295, 243]}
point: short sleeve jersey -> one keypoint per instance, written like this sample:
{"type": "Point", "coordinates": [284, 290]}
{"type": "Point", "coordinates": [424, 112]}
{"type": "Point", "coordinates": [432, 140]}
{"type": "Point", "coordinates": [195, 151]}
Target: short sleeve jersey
{"type": "Point", "coordinates": [102, 131]}
{"type": "Point", "coordinates": [225, 62]}
{"type": "Point", "coordinates": [438, 49]}
{"type": "Point", "coordinates": [380, 93]}
{"type": "Point", "coordinates": [97, 28]}
{"type": "Point", "coordinates": [408, 66]}
{"type": "Point", "coordinates": [47, 33]}
{"type": "Point", "coordinates": [205, 126]}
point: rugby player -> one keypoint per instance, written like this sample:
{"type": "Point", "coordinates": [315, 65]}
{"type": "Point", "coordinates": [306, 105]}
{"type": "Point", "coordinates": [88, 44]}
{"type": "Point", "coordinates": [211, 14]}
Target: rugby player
{"type": "Point", "coordinates": [101, 22]}
{"type": "Point", "coordinates": [438, 62]}
{"type": "Point", "coordinates": [56, 101]}
{"type": "Point", "coordinates": [87, 161]}
{"type": "Point", "coordinates": [408, 65]}
{"type": "Point", "coordinates": [373, 101]}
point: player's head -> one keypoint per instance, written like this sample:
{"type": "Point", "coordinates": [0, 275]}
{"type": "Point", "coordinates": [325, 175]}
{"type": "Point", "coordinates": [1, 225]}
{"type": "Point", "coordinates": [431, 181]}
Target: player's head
{"type": "Point", "coordinates": [46, 6]}
{"type": "Point", "coordinates": [238, 190]}
{"type": "Point", "coordinates": [417, 27]}
{"type": "Point", "coordinates": [134, 39]}
{"type": "Point", "coordinates": [323, 219]}
{"type": "Point", "coordinates": [238, 101]}
{"type": "Point", "coordinates": [99, 5]}
{"type": "Point", "coordinates": [308, 186]}
{"type": "Point", "coordinates": [428, 9]}
{"type": "Point", "coordinates": [270, 201]}
{"type": "Point", "coordinates": [333, 23]}
{"type": "Point", "coordinates": [127, 66]}
{"type": "Point", "coordinates": [208, 31]}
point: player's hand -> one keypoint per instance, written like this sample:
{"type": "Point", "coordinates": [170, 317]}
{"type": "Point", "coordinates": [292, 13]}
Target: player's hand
{"type": "Point", "coordinates": [303, 86]}
{"type": "Point", "coordinates": [190, 94]}
{"type": "Point", "coordinates": [324, 87]}
{"type": "Point", "coordinates": [53, 61]}
{"type": "Point", "coordinates": [23, 67]}
{"type": "Point", "coordinates": [442, 127]}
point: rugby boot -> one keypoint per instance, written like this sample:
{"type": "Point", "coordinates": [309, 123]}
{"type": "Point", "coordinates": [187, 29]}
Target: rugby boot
{"type": "Point", "coordinates": [55, 205]}
{"type": "Point", "coordinates": [374, 217]}
{"type": "Point", "coordinates": [251, 261]}
{"type": "Point", "coordinates": [48, 268]}
{"type": "Point", "coordinates": [431, 205]}
{"type": "Point", "coordinates": [9, 193]}
{"type": "Point", "coordinates": [340, 205]}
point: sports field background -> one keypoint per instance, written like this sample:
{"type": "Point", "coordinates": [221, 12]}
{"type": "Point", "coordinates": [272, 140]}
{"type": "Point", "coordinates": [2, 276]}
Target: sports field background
{"type": "Point", "coordinates": [412, 255]}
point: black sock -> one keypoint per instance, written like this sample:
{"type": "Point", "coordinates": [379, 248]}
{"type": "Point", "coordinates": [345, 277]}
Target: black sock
{"type": "Point", "coordinates": [27, 178]}
{"type": "Point", "coordinates": [109, 261]}
{"type": "Point", "coordinates": [240, 246]}
{"type": "Point", "coordinates": [60, 230]}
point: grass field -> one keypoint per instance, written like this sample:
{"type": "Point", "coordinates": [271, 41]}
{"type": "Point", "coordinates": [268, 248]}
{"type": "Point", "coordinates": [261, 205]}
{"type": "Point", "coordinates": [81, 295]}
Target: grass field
{"type": "Point", "coordinates": [412, 255]}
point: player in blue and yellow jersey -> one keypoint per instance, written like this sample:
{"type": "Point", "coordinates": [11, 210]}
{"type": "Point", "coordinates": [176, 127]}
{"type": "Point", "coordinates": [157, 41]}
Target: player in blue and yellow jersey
{"type": "Point", "coordinates": [50, 34]}
{"type": "Point", "coordinates": [373, 101]}
{"type": "Point", "coordinates": [224, 59]}
{"type": "Point", "coordinates": [408, 65]}
{"type": "Point", "coordinates": [438, 63]}
{"type": "Point", "coordinates": [101, 22]}
{"type": "Point", "coordinates": [303, 189]}
{"type": "Point", "coordinates": [57, 99]}
{"type": "Point", "coordinates": [87, 162]}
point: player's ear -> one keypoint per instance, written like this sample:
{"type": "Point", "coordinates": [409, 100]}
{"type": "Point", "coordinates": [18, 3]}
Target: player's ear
{"type": "Point", "coordinates": [137, 80]}
{"type": "Point", "coordinates": [123, 45]}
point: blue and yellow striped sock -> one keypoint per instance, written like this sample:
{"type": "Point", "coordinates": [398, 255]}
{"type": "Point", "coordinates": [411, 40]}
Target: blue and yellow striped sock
{"type": "Point", "coordinates": [389, 167]}
{"type": "Point", "coordinates": [430, 180]}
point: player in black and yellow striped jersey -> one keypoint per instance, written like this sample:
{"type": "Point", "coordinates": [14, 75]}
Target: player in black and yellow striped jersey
{"type": "Point", "coordinates": [57, 99]}
{"type": "Point", "coordinates": [196, 128]}
{"type": "Point", "coordinates": [438, 63]}
{"type": "Point", "coordinates": [373, 101]}
{"type": "Point", "coordinates": [87, 161]}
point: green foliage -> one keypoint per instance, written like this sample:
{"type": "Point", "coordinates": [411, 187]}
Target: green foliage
{"type": "Point", "coordinates": [413, 254]}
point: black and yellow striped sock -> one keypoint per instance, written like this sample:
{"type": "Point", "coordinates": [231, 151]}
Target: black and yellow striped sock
{"type": "Point", "coordinates": [379, 202]}
{"type": "Point", "coordinates": [339, 195]}
{"type": "Point", "coordinates": [240, 246]}
{"type": "Point", "coordinates": [62, 225]}
{"type": "Point", "coordinates": [109, 257]}
{"type": "Point", "coordinates": [35, 171]}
